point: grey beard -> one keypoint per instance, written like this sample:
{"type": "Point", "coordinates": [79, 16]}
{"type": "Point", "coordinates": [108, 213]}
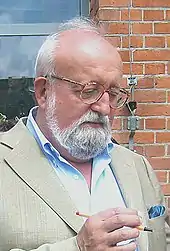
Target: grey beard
{"type": "Point", "coordinates": [83, 143]}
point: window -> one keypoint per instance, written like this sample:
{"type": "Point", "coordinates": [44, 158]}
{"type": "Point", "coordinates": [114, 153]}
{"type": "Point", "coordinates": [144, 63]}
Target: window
{"type": "Point", "coordinates": [24, 24]}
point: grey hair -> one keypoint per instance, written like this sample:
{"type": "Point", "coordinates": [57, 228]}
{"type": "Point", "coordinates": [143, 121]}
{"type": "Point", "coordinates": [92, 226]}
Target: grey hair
{"type": "Point", "coordinates": [45, 61]}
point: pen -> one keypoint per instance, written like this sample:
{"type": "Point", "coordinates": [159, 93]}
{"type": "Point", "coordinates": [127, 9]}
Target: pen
{"type": "Point", "coordinates": [141, 228]}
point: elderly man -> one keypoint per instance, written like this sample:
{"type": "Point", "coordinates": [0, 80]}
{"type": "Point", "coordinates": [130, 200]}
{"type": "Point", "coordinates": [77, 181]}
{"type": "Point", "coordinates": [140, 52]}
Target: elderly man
{"type": "Point", "coordinates": [61, 159]}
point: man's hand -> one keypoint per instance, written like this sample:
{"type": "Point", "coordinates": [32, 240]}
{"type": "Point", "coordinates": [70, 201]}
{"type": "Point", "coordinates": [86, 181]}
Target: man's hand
{"type": "Point", "coordinates": [102, 231]}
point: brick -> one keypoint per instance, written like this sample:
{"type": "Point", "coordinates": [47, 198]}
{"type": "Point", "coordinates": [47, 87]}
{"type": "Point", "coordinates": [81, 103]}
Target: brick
{"type": "Point", "coordinates": [155, 123]}
{"type": "Point", "coordinates": [117, 28]}
{"type": "Point", "coordinates": [122, 112]}
{"type": "Point", "coordinates": [109, 14]}
{"type": "Point", "coordinates": [168, 15]}
{"type": "Point", "coordinates": [145, 83]}
{"type": "Point", "coordinates": [151, 3]}
{"type": "Point", "coordinates": [121, 137]}
{"type": "Point", "coordinates": [137, 69]}
{"type": "Point", "coordinates": [151, 55]}
{"type": "Point", "coordinates": [168, 150]}
{"type": "Point", "coordinates": [115, 41]}
{"type": "Point", "coordinates": [168, 68]}
{"type": "Point", "coordinates": [168, 124]}
{"type": "Point", "coordinates": [94, 6]}
{"type": "Point", "coordinates": [161, 176]}
{"type": "Point", "coordinates": [168, 97]}
{"type": "Point", "coordinates": [94, 16]}
{"type": "Point", "coordinates": [139, 150]}
{"type": "Point", "coordinates": [125, 55]}
{"type": "Point", "coordinates": [154, 151]}
{"type": "Point", "coordinates": [168, 41]}
{"type": "Point", "coordinates": [151, 96]}
{"type": "Point", "coordinates": [117, 124]}
{"type": "Point", "coordinates": [114, 3]}
{"type": "Point", "coordinates": [93, 3]}
{"type": "Point", "coordinates": [135, 15]}
{"type": "Point", "coordinates": [166, 189]}
{"type": "Point", "coordinates": [161, 28]}
{"type": "Point", "coordinates": [155, 42]}
{"type": "Point", "coordinates": [163, 137]}
{"type": "Point", "coordinates": [162, 82]}
{"type": "Point", "coordinates": [160, 163]}
{"type": "Point", "coordinates": [154, 15]}
{"type": "Point", "coordinates": [142, 28]}
{"type": "Point", "coordinates": [144, 137]}
{"type": "Point", "coordinates": [155, 68]}
{"type": "Point", "coordinates": [153, 110]}
{"type": "Point", "coordinates": [135, 41]}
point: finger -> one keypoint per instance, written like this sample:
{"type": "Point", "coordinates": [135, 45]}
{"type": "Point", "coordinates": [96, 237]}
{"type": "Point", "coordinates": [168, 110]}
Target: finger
{"type": "Point", "coordinates": [120, 210]}
{"type": "Point", "coordinates": [121, 220]}
{"type": "Point", "coordinates": [106, 214]}
{"type": "Point", "coordinates": [120, 235]}
{"type": "Point", "coordinates": [129, 247]}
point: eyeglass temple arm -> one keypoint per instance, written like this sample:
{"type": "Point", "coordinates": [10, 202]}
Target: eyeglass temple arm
{"type": "Point", "coordinates": [66, 79]}
{"type": "Point", "coordinates": [124, 91]}
{"type": "Point", "coordinates": [78, 83]}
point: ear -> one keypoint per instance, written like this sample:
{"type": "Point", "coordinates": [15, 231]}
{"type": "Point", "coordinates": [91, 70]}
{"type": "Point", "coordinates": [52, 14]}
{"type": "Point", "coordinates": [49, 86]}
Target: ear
{"type": "Point", "coordinates": [40, 87]}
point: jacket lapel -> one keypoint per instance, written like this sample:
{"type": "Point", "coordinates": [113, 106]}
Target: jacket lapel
{"type": "Point", "coordinates": [124, 169]}
{"type": "Point", "coordinates": [28, 162]}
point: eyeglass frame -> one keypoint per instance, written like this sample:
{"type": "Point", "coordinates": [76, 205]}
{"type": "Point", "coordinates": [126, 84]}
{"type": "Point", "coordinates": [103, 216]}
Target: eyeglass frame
{"type": "Point", "coordinates": [122, 90]}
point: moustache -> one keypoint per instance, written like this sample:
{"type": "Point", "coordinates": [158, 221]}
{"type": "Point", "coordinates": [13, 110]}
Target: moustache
{"type": "Point", "coordinates": [92, 117]}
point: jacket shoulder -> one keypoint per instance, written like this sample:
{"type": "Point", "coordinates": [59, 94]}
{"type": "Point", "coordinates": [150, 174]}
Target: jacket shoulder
{"type": "Point", "coordinates": [10, 138]}
{"type": "Point", "coordinates": [122, 150]}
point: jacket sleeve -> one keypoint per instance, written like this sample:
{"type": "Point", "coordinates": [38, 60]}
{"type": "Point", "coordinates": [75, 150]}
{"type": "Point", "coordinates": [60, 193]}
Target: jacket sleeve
{"type": "Point", "coordinates": [65, 245]}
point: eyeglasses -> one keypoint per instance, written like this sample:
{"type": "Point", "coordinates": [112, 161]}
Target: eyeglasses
{"type": "Point", "coordinates": [92, 92]}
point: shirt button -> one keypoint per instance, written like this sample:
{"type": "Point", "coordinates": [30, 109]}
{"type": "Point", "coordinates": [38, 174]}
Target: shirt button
{"type": "Point", "coordinates": [76, 177]}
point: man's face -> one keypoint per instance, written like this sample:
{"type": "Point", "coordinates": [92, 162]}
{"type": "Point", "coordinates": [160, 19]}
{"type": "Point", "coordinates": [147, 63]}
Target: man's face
{"type": "Point", "coordinates": [83, 130]}
{"type": "Point", "coordinates": [81, 140]}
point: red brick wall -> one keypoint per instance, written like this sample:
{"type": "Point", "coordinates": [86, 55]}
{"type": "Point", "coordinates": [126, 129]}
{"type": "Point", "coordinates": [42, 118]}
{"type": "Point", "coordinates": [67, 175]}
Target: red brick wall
{"type": "Point", "coordinates": [150, 52]}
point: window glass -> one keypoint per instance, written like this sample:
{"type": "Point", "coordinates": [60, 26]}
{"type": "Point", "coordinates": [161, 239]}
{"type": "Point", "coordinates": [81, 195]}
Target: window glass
{"type": "Point", "coordinates": [24, 24]}
{"type": "Point", "coordinates": [37, 11]}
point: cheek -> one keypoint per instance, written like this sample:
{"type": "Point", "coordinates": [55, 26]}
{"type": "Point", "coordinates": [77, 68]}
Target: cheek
{"type": "Point", "coordinates": [68, 107]}
{"type": "Point", "coordinates": [68, 112]}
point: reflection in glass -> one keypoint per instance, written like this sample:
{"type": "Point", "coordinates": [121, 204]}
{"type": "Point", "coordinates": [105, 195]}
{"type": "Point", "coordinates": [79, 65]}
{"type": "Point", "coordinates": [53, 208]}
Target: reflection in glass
{"type": "Point", "coordinates": [37, 11]}
{"type": "Point", "coordinates": [17, 53]}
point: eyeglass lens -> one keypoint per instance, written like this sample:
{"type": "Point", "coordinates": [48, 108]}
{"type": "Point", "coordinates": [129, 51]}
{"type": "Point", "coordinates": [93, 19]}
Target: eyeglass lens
{"type": "Point", "coordinates": [93, 92]}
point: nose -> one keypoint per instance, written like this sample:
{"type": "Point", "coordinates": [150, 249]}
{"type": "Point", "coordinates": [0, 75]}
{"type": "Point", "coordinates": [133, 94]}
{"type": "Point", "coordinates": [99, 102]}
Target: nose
{"type": "Point", "coordinates": [102, 106]}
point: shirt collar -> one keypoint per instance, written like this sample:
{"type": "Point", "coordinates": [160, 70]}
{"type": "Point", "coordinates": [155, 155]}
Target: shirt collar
{"type": "Point", "coordinates": [34, 128]}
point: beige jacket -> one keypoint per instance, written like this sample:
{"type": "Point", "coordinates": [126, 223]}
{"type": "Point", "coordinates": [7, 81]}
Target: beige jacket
{"type": "Point", "coordinates": [36, 210]}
